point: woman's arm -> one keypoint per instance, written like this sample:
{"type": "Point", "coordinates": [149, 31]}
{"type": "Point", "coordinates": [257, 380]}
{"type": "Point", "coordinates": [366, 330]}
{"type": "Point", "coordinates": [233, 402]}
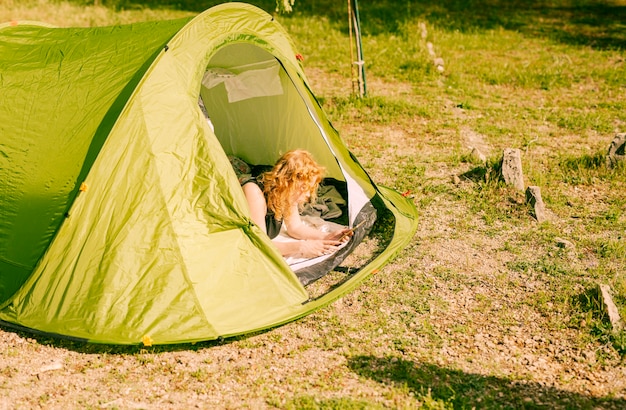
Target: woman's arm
{"type": "Point", "coordinates": [297, 229]}
{"type": "Point", "coordinates": [256, 203]}
{"type": "Point", "coordinates": [289, 248]}
{"type": "Point", "coordinates": [313, 242]}
{"type": "Point", "coordinates": [306, 248]}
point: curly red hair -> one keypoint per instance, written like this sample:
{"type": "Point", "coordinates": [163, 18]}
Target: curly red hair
{"type": "Point", "coordinates": [295, 173]}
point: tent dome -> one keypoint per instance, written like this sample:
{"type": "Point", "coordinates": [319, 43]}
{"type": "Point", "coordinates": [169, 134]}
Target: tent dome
{"type": "Point", "coordinates": [122, 219]}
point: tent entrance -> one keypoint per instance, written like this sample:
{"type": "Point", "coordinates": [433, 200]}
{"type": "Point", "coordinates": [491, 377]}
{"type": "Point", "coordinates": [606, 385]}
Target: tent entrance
{"type": "Point", "coordinates": [257, 114]}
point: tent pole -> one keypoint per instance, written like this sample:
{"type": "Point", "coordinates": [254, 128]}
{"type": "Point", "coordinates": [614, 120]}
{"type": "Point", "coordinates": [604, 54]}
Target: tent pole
{"type": "Point", "coordinates": [360, 62]}
{"type": "Point", "coordinates": [351, 45]}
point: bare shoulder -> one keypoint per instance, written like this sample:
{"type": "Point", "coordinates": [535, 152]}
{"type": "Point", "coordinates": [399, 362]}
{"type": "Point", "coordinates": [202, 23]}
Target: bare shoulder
{"type": "Point", "coordinates": [251, 188]}
{"type": "Point", "coordinates": [254, 196]}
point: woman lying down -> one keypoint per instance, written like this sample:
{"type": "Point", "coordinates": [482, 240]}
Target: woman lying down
{"type": "Point", "coordinates": [275, 198]}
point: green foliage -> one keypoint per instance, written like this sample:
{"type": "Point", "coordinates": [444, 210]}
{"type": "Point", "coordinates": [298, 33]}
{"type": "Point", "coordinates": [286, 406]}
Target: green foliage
{"type": "Point", "coordinates": [343, 403]}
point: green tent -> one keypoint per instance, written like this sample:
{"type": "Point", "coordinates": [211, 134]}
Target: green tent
{"type": "Point", "coordinates": [121, 218]}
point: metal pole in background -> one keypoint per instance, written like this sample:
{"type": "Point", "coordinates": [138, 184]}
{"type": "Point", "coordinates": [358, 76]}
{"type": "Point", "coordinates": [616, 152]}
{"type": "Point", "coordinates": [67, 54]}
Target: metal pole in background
{"type": "Point", "coordinates": [355, 25]}
{"type": "Point", "coordinates": [350, 30]}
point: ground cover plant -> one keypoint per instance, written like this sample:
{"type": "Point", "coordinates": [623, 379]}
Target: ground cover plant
{"type": "Point", "coordinates": [487, 308]}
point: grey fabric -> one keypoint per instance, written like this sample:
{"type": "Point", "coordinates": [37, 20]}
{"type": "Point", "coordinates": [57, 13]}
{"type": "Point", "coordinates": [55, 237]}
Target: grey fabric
{"type": "Point", "coordinates": [327, 205]}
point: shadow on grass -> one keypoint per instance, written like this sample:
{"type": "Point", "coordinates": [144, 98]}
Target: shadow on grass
{"type": "Point", "coordinates": [598, 24]}
{"type": "Point", "coordinates": [490, 172]}
{"type": "Point", "coordinates": [466, 390]}
{"type": "Point", "coordinates": [86, 347]}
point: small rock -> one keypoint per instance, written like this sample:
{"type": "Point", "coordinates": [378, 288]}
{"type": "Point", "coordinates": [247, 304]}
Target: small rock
{"type": "Point", "coordinates": [617, 150]}
{"type": "Point", "coordinates": [533, 197]}
{"type": "Point", "coordinates": [439, 64]}
{"type": "Point", "coordinates": [590, 356]}
{"type": "Point", "coordinates": [512, 168]}
{"type": "Point", "coordinates": [541, 363]}
{"type": "Point", "coordinates": [423, 32]}
{"type": "Point", "coordinates": [476, 154]}
{"type": "Point", "coordinates": [430, 48]}
{"type": "Point", "coordinates": [568, 246]}
{"type": "Point", "coordinates": [604, 293]}
{"type": "Point", "coordinates": [564, 244]}
{"type": "Point", "coordinates": [50, 367]}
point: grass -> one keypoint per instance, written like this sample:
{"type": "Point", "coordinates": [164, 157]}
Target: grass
{"type": "Point", "coordinates": [462, 317]}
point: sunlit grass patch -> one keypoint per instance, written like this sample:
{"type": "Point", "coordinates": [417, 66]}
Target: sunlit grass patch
{"type": "Point", "coordinates": [583, 119]}
{"type": "Point", "coordinates": [588, 169]}
{"type": "Point", "coordinates": [312, 403]}
{"type": "Point", "coordinates": [375, 109]}
{"type": "Point", "coordinates": [611, 248]}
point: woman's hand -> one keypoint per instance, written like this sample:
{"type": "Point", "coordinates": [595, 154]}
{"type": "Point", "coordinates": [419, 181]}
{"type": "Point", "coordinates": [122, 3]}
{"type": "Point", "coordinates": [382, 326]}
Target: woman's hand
{"type": "Point", "coordinates": [341, 235]}
{"type": "Point", "coordinates": [312, 248]}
